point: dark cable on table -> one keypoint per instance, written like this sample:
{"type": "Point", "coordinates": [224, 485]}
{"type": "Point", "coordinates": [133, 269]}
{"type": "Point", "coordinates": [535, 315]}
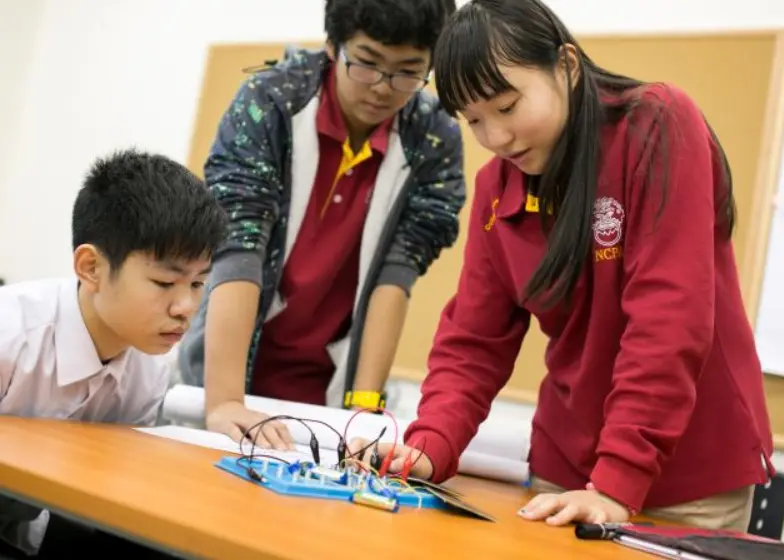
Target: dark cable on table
{"type": "Point", "coordinates": [379, 465]}
{"type": "Point", "coordinates": [361, 452]}
{"type": "Point", "coordinates": [314, 443]}
{"type": "Point", "coordinates": [382, 496]}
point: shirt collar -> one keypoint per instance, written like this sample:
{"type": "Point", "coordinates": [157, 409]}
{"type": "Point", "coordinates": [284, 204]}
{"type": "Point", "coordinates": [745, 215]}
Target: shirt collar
{"type": "Point", "coordinates": [77, 358]}
{"type": "Point", "coordinates": [329, 118]}
{"type": "Point", "coordinates": [512, 200]}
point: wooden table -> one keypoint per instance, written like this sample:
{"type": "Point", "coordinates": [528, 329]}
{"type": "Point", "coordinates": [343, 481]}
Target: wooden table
{"type": "Point", "coordinates": [170, 495]}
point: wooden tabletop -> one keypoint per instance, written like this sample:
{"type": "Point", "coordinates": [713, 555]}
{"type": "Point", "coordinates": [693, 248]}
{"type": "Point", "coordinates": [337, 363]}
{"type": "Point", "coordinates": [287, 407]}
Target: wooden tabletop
{"type": "Point", "coordinates": [171, 494]}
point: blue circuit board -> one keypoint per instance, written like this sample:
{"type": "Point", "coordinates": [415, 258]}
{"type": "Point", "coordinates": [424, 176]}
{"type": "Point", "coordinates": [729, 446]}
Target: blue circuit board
{"type": "Point", "coordinates": [312, 481]}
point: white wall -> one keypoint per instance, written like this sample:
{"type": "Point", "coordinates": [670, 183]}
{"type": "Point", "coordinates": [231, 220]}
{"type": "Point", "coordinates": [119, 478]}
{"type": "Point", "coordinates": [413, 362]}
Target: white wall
{"type": "Point", "coordinates": [89, 76]}
{"type": "Point", "coordinates": [641, 16]}
{"type": "Point", "coordinates": [106, 75]}
{"type": "Point", "coordinates": [19, 26]}
{"type": "Point", "coordinates": [770, 320]}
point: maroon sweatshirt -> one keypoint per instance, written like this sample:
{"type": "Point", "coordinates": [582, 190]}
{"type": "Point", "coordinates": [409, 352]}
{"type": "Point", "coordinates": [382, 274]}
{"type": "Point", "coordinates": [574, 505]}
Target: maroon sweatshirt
{"type": "Point", "coordinates": [653, 389]}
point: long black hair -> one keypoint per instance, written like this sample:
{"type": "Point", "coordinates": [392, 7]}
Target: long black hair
{"type": "Point", "coordinates": [485, 33]}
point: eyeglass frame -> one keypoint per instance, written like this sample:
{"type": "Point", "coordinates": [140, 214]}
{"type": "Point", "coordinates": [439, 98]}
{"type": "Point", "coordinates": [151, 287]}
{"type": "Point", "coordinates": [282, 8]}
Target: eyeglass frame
{"type": "Point", "coordinates": [382, 75]}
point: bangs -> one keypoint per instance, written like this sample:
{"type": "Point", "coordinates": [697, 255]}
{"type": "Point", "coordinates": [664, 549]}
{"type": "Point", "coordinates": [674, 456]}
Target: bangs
{"type": "Point", "coordinates": [467, 57]}
{"type": "Point", "coordinates": [178, 247]}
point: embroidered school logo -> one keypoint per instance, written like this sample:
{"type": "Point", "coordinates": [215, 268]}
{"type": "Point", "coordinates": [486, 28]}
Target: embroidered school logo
{"type": "Point", "coordinates": [491, 222]}
{"type": "Point", "coordinates": [608, 217]}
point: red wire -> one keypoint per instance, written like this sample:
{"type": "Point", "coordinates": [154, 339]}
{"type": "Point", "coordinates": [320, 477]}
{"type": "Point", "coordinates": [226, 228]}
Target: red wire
{"type": "Point", "coordinates": [387, 459]}
{"type": "Point", "coordinates": [407, 464]}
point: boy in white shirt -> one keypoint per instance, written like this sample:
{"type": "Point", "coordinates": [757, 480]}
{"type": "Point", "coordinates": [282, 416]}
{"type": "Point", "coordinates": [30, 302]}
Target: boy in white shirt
{"type": "Point", "coordinates": [91, 347]}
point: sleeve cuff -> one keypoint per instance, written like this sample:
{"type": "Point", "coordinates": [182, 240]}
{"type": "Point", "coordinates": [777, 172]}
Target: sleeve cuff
{"type": "Point", "coordinates": [239, 266]}
{"type": "Point", "coordinates": [438, 450]}
{"type": "Point", "coordinates": [399, 275]}
{"type": "Point", "coordinates": [621, 481]}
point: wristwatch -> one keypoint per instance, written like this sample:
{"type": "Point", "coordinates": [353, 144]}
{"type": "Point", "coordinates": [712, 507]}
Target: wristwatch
{"type": "Point", "coordinates": [365, 399]}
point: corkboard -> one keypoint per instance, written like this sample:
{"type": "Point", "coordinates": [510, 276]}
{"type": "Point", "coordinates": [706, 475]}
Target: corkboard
{"type": "Point", "coordinates": [730, 76]}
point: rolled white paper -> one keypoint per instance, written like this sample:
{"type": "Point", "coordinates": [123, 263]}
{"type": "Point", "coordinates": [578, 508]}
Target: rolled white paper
{"type": "Point", "coordinates": [498, 451]}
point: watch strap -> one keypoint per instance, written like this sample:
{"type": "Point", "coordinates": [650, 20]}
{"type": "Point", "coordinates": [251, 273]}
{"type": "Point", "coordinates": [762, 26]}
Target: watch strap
{"type": "Point", "coordinates": [365, 399]}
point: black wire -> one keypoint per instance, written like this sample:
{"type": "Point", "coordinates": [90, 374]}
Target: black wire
{"type": "Point", "coordinates": [250, 458]}
{"type": "Point", "coordinates": [362, 451]}
{"type": "Point", "coordinates": [337, 433]}
{"type": "Point", "coordinates": [254, 441]}
{"type": "Point", "coordinates": [251, 470]}
{"type": "Point", "coordinates": [304, 421]}
{"type": "Point", "coordinates": [259, 425]}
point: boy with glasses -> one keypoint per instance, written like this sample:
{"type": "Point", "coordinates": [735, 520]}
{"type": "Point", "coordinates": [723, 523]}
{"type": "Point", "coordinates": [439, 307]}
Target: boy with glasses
{"type": "Point", "coordinates": [343, 181]}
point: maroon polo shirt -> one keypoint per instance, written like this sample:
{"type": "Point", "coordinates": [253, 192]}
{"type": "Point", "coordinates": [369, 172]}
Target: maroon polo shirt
{"type": "Point", "coordinates": [321, 276]}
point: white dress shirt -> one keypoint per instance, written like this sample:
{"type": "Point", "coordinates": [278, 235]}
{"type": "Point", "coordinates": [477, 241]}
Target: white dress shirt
{"type": "Point", "coordinates": [49, 368]}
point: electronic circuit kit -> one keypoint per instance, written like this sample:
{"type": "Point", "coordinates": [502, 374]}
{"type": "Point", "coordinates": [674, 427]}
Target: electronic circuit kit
{"type": "Point", "coordinates": [367, 482]}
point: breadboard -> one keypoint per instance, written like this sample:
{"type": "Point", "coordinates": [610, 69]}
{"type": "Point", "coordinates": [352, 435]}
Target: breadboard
{"type": "Point", "coordinates": [308, 481]}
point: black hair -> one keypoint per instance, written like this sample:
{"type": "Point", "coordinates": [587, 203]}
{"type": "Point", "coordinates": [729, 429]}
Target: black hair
{"type": "Point", "coordinates": [484, 33]}
{"type": "Point", "coordinates": [397, 22]}
{"type": "Point", "coordinates": [134, 201]}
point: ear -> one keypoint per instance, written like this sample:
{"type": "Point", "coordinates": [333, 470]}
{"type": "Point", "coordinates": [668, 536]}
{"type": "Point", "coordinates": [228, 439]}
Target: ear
{"type": "Point", "coordinates": [90, 266]}
{"type": "Point", "coordinates": [329, 48]}
{"type": "Point", "coordinates": [570, 61]}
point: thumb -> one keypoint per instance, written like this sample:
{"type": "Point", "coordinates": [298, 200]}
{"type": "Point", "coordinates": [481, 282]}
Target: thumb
{"type": "Point", "coordinates": [398, 455]}
{"type": "Point", "coordinates": [396, 465]}
{"type": "Point", "coordinates": [234, 432]}
{"type": "Point", "coordinates": [356, 445]}
{"type": "Point", "coordinates": [385, 449]}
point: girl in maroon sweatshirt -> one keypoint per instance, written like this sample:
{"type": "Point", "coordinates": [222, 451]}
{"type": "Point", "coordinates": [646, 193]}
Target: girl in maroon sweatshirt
{"type": "Point", "coordinates": [607, 215]}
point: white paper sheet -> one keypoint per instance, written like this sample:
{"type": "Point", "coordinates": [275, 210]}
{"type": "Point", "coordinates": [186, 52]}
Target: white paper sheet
{"type": "Point", "coordinates": [492, 467]}
{"type": "Point", "coordinates": [221, 442]}
{"type": "Point", "coordinates": [471, 463]}
{"type": "Point", "coordinates": [498, 451]}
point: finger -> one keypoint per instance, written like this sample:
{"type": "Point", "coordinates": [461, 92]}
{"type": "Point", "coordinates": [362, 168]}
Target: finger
{"type": "Point", "coordinates": [235, 433]}
{"type": "Point", "coordinates": [257, 438]}
{"type": "Point", "coordinates": [356, 445]}
{"type": "Point", "coordinates": [363, 456]}
{"type": "Point", "coordinates": [402, 454]}
{"type": "Point", "coordinates": [547, 506]}
{"type": "Point", "coordinates": [382, 449]}
{"type": "Point", "coordinates": [271, 432]}
{"type": "Point", "coordinates": [396, 465]}
{"type": "Point", "coordinates": [287, 437]}
{"type": "Point", "coordinates": [567, 514]}
{"type": "Point", "coordinates": [598, 516]}
{"type": "Point", "coordinates": [250, 425]}
{"type": "Point", "coordinates": [385, 449]}
{"type": "Point", "coordinates": [284, 436]}
{"type": "Point", "coordinates": [392, 453]}
{"type": "Point", "coordinates": [534, 503]}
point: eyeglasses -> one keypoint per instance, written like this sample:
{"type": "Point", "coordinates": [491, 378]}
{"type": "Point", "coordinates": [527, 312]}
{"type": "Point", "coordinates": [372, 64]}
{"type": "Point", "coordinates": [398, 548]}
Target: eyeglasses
{"type": "Point", "coordinates": [370, 75]}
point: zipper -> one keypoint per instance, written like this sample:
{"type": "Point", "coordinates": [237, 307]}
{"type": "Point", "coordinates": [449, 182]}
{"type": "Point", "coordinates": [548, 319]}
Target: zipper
{"type": "Point", "coordinates": [382, 249]}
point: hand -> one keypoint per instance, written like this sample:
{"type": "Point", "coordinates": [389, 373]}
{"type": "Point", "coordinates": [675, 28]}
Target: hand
{"type": "Point", "coordinates": [234, 420]}
{"type": "Point", "coordinates": [580, 506]}
{"type": "Point", "coordinates": [422, 467]}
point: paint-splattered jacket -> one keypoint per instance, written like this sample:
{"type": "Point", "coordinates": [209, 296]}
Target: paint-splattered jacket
{"type": "Point", "coordinates": [261, 168]}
